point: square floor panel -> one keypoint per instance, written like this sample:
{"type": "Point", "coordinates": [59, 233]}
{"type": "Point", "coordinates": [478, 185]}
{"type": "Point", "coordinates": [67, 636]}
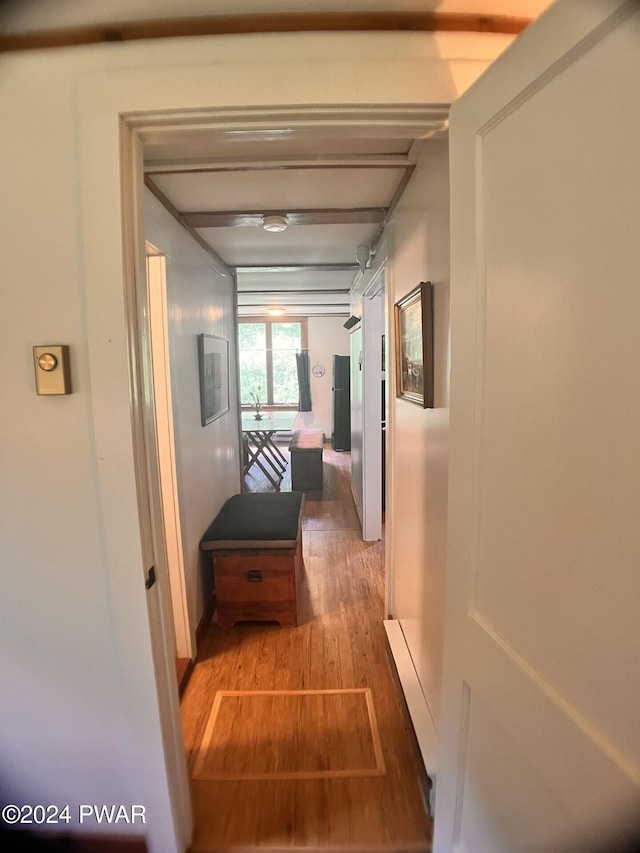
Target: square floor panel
{"type": "Point", "coordinates": [290, 734]}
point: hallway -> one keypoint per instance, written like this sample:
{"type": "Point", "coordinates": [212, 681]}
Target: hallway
{"type": "Point", "coordinates": [370, 803]}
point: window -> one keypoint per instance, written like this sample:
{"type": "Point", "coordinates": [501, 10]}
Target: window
{"type": "Point", "coordinates": [267, 360]}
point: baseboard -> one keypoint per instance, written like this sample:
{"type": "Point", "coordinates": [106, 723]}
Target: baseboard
{"type": "Point", "coordinates": [184, 667]}
{"type": "Point", "coordinates": [355, 503]}
{"type": "Point", "coordinates": [417, 707]}
{"type": "Point", "coordinates": [205, 619]}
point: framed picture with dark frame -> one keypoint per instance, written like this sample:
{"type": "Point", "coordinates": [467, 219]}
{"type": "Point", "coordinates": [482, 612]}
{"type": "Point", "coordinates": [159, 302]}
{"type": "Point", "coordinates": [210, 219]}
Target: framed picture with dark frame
{"type": "Point", "coordinates": [213, 362]}
{"type": "Point", "coordinates": [414, 346]}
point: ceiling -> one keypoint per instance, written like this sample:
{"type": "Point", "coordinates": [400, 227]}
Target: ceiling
{"type": "Point", "coordinates": [335, 183]}
{"type": "Point", "coordinates": [335, 178]}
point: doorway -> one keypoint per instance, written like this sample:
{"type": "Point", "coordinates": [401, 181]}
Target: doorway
{"type": "Point", "coordinates": [133, 202]}
{"type": "Point", "coordinates": [163, 403]}
{"type": "Point", "coordinates": [374, 405]}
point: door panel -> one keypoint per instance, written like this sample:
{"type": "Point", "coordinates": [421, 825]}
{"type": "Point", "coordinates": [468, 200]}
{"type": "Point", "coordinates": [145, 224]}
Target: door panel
{"type": "Point", "coordinates": [341, 435]}
{"type": "Point", "coordinates": [541, 743]}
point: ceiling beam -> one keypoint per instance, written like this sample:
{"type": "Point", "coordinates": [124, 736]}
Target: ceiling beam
{"type": "Point", "coordinates": [355, 161]}
{"type": "Point", "coordinates": [282, 268]}
{"type": "Point", "coordinates": [328, 216]}
{"type": "Point", "coordinates": [316, 291]}
{"type": "Point", "coordinates": [263, 23]}
{"type": "Point", "coordinates": [247, 311]}
{"type": "Point", "coordinates": [221, 266]}
{"type": "Point", "coordinates": [392, 206]}
{"type": "Point", "coordinates": [301, 298]}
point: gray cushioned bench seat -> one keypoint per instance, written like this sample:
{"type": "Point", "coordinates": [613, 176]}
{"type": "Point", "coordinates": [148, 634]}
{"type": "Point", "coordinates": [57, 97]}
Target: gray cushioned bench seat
{"type": "Point", "coordinates": [261, 520]}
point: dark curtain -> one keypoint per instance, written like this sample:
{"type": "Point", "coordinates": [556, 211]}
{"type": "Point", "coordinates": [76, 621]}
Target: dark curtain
{"type": "Point", "coordinates": [304, 385]}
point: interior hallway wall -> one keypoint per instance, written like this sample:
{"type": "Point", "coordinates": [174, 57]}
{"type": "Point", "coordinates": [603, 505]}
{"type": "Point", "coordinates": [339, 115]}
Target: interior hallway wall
{"type": "Point", "coordinates": [199, 300]}
{"type": "Point", "coordinates": [416, 542]}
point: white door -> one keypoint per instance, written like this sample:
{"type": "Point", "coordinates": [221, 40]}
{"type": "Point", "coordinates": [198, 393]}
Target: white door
{"type": "Point", "coordinates": [540, 731]}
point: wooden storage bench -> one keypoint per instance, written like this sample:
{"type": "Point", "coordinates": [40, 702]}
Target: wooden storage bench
{"type": "Point", "coordinates": [306, 460]}
{"type": "Point", "coordinates": [256, 546]}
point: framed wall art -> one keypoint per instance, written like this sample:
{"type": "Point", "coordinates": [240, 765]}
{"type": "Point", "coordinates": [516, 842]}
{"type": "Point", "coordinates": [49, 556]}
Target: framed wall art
{"type": "Point", "coordinates": [414, 346]}
{"type": "Point", "coordinates": [213, 362]}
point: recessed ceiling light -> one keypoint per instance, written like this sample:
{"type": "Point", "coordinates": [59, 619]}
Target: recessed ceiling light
{"type": "Point", "coordinates": [275, 223]}
{"type": "Point", "coordinates": [275, 312]}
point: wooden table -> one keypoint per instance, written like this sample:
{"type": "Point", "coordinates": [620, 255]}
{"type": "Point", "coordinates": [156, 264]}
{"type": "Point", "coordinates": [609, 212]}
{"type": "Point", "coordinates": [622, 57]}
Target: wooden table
{"type": "Point", "coordinates": [265, 453]}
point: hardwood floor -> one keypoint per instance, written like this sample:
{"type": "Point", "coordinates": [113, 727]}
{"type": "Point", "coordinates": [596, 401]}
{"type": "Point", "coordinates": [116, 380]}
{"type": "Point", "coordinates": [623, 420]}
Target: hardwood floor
{"type": "Point", "coordinates": [337, 652]}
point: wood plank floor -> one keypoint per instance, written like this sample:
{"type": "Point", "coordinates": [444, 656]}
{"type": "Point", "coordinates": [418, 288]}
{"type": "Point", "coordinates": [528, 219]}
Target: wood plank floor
{"type": "Point", "coordinates": [339, 645]}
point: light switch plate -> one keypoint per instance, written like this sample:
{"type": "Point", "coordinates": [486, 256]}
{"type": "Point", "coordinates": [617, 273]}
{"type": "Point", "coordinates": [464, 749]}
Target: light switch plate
{"type": "Point", "coordinates": [51, 364]}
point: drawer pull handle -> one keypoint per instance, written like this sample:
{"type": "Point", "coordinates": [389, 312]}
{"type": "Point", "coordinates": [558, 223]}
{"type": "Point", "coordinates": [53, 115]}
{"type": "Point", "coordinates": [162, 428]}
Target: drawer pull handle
{"type": "Point", "coordinates": [254, 576]}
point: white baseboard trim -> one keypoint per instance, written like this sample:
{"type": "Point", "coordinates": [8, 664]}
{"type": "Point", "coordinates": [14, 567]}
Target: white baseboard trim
{"type": "Point", "coordinates": [421, 718]}
{"type": "Point", "coordinates": [356, 504]}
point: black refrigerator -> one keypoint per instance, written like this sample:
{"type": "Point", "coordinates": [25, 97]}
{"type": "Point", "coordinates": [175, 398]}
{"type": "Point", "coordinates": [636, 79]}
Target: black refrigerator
{"type": "Point", "coordinates": [341, 432]}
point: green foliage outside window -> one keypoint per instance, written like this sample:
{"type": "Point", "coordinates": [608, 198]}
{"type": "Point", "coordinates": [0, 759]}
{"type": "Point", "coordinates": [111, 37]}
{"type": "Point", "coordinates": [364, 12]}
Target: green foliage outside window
{"type": "Point", "coordinates": [267, 362]}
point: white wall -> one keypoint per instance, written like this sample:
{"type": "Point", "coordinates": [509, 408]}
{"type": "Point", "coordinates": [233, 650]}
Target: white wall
{"type": "Point", "coordinates": [418, 465]}
{"type": "Point", "coordinates": [199, 300]}
{"type": "Point", "coordinates": [74, 633]}
{"type": "Point", "coordinates": [66, 731]}
{"type": "Point", "coordinates": [327, 337]}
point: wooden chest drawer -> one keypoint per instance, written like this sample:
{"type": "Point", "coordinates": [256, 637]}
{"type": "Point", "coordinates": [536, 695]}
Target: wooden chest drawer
{"type": "Point", "coordinates": [257, 585]}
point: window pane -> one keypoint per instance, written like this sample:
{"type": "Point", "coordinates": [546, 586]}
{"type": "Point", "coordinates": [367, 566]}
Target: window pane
{"type": "Point", "coordinates": [286, 341]}
{"type": "Point", "coordinates": [252, 335]}
{"type": "Point", "coordinates": [286, 336]}
{"type": "Point", "coordinates": [285, 377]}
{"type": "Point", "coordinates": [253, 376]}
{"type": "Point", "coordinates": [253, 362]}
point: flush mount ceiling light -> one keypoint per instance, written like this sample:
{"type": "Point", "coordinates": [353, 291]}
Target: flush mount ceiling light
{"type": "Point", "coordinates": [275, 222]}
{"type": "Point", "coordinates": [275, 312]}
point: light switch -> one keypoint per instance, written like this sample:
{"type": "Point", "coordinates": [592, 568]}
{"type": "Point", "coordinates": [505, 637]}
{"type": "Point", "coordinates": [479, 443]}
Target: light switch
{"type": "Point", "coordinates": [51, 364]}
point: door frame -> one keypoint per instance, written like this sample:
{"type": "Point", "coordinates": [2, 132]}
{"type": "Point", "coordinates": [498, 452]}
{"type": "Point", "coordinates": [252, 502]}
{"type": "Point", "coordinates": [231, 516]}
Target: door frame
{"type": "Point", "coordinates": [147, 475]}
{"type": "Point", "coordinates": [400, 121]}
{"type": "Point", "coordinates": [373, 327]}
{"type": "Point", "coordinates": [163, 406]}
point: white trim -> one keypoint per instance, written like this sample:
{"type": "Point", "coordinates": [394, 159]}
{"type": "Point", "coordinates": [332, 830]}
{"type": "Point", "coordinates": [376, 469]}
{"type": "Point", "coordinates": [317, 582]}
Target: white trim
{"type": "Point", "coordinates": [376, 283]}
{"type": "Point", "coordinates": [157, 294]}
{"type": "Point", "coordinates": [145, 451]}
{"type": "Point", "coordinates": [133, 130]}
{"type": "Point", "coordinates": [417, 705]}
{"type": "Point", "coordinates": [389, 432]}
{"type": "Point", "coordinates": [372, 435]}
{"type": "Point", "coordinates": [342, 120]}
